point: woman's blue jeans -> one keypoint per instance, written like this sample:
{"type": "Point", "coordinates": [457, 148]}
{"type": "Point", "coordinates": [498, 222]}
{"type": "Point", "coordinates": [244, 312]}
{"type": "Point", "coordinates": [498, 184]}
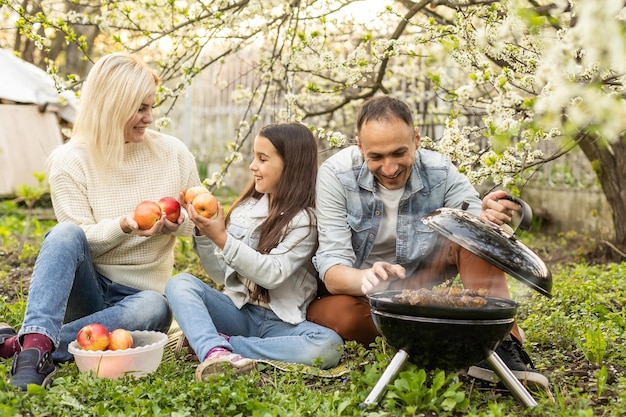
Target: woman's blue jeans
{"type": "Point", "coordinates": [255, 332]}
{"type": "Point", "coordinates": [66, 293]}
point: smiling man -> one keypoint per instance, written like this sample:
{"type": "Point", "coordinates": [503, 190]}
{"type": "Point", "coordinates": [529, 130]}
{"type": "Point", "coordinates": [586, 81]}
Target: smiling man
{"type": "Point", "coordinates": [370, 201]}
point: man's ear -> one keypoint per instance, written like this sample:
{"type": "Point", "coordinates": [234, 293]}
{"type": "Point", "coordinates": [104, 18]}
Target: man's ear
{"type": "Point", "coordinates": [418, 138]}
{"type": "Point", "coordinates": [358, 144]}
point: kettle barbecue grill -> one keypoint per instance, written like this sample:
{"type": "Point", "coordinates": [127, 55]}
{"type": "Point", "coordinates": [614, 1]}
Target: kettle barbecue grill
{"type": "Point", "coordinates": [448, 337]}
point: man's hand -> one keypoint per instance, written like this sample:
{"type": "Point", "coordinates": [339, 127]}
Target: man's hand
{"type": "Point", "coordinates": [497, 209]}
{"type": "Point", "coordinates": [378, 277]}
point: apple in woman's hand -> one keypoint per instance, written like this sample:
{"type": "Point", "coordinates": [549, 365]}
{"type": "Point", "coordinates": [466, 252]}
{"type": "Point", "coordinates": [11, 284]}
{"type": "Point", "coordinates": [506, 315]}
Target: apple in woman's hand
{"type": "Point", "coordinates": [171, 207]}
{"type": "Point", "coordinates": [147, 213]}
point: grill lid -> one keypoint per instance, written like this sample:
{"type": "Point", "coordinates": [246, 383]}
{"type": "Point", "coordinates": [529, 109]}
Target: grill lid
{"type": "Point", "coordinates": [493, 244]}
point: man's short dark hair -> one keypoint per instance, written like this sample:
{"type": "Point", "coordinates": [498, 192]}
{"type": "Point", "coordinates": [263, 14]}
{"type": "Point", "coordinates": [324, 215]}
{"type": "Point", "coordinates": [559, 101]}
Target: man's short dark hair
{"type": "Point", "coordinates": [383, 108]}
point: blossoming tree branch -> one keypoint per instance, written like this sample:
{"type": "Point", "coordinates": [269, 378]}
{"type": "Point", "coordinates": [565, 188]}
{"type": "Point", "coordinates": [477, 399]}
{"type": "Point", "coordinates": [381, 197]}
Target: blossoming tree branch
{"type": "Point", "coordinates": [500, 77]}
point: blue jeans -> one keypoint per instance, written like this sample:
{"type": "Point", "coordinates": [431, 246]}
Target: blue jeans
{"type": "Point", "coordinates": [66, 293]}
{"type": "Point", "coordinates": [255, 332]}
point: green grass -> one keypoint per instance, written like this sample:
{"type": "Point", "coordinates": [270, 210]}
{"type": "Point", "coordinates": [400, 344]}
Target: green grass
{"type": "Point", "coordinates": [576, 338]}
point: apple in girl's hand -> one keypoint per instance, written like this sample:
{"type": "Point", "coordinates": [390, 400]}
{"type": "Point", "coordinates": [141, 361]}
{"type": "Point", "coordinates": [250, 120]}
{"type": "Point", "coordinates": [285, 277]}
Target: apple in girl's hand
{"type": "Point", "coordinates": [147, 213]}
{"type": "Point", "coordinates": [120, 339]}
{"type": "Point", "coordinates": [192, 192]}
{"type": "Point", "coordinates": [93, 336]}
{"type": "Point", "coordinates": [171, 207]}
{"type": "Point", "coordinates": [205, 204]}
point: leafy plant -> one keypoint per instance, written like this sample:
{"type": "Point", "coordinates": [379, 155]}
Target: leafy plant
{"type": "Point", "coordinates": [30, 196]}
{"type": "Point", "coordinates": [412, 390]}
{"type": "Point", "coordinates": [594, 345]}
{"type": "Point", "coordinates": [576, 338]}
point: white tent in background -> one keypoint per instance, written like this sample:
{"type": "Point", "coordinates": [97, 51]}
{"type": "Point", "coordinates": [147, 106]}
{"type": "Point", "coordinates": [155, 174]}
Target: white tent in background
{"type": "Point", "coordinates": [31, 110]}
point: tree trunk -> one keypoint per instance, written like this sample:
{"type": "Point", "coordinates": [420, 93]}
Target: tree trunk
{"type": "Point", "coordinates": [609, 164]}
{"type": "Point", "coordinates": [73, 57]}
{"type": "Point", "coordinates": [71, 61]}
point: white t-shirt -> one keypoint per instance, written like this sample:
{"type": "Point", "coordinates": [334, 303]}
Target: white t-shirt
{"type": "Point", "coordinates": [385, 244]}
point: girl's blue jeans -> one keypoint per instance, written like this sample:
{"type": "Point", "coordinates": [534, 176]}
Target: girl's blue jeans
{"type": "Point", "coordinates": [67, 293]}
{"type": "Point", "coordinates": [255, 332]}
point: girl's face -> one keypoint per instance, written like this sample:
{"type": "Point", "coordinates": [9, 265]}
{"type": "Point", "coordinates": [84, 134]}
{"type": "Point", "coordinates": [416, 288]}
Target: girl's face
{"type": "Point", "coordinates": [267, 166]}
{"type": "Point", "coordinates": [135, 128]}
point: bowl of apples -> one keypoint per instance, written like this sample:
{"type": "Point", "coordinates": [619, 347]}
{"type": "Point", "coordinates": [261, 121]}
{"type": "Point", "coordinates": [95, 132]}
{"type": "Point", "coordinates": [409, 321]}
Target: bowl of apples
{"type": "Point", "coordinates": [117, 353]}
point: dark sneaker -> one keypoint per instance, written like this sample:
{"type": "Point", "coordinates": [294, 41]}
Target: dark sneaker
{"type": "Point", "coordinates": [516, 359]}
{"type": "Point", "coordinates": [31, 368]}
{"type": "Point", "coordinates": [6, 332]}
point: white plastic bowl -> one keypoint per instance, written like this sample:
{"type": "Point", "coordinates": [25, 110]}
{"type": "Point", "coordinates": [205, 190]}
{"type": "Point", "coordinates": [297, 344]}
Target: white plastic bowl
{"type": "Point", "coordinates": [142, 359]}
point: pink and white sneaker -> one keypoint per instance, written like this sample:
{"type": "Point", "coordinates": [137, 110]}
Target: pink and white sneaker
{"type": "Point", "coordinates": [219, 360]}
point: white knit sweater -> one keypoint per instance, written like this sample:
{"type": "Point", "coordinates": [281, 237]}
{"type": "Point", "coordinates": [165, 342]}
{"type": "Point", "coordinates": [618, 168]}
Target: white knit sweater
{"type": "Point", "coordinates": [96, 201]}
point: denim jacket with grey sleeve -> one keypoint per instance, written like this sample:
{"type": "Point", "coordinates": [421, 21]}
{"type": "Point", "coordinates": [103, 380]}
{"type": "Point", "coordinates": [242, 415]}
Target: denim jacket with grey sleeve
{"type": "Point", "coordinates": [284, 272]}
{"type": "Point", "coordinates": [349, 208]}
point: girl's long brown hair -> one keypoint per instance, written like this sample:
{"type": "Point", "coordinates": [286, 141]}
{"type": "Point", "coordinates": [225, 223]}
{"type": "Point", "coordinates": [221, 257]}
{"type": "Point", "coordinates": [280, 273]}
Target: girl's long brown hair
{"type": "Point", "coordinates": [297, 147]}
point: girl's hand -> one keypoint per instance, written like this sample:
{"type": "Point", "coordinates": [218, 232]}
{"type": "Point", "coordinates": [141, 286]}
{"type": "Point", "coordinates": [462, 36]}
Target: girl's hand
{"type": "Point", "coordinates": [213, 228]}
{"type": "Point", "coordinates": [181, 198]}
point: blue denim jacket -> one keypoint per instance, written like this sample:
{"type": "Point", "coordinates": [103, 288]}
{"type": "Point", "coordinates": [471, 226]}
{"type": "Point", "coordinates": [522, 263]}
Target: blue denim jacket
{"type": "Point", "coordinates": [349, 208]}
{"type": "Point", "coordinates": [284, 272]}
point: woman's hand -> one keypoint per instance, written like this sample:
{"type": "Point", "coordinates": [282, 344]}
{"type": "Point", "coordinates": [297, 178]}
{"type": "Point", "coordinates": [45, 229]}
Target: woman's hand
{"type": "Point", "coordinates": [171, 227]}
{"type": "Point", "coordinates": [128, 225]}
{"type": "Point", "coordinates": [213, 228]}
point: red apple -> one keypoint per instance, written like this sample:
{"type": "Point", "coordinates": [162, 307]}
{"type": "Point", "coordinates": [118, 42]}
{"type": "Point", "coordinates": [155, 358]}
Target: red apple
{"type": "Point", "coordinates": [205, 204]}
{"type": "Point", "coordinates": [171, 207]}
{"type": "Point", "coordinates": [192, 192]}
{"type": "Point", "coordinates": [147, 213]}
{"type": "Point", "coordinates": [93, 336]}
{"type": "Point", "coordinates": [120, 339]}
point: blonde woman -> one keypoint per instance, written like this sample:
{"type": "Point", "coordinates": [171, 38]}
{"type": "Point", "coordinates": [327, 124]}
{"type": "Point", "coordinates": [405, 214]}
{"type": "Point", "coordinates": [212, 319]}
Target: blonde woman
{"type": "Point", "coordinates": [96, 265]}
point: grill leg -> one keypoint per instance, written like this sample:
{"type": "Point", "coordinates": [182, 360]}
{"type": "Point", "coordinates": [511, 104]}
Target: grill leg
{"type": "Point", "coordinates": [509, 380]}
{"type": "Point", "coordinates": [390, 373]}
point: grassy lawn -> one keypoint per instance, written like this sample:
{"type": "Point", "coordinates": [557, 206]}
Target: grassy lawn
{"type": "Point", "coordinates": [576, 338]}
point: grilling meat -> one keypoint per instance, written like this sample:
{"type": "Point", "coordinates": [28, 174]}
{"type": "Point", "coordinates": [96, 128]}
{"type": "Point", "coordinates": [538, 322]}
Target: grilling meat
{"type": "Point", "coordinates": [443, 296]}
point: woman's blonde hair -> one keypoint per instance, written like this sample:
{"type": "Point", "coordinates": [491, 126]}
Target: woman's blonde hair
{"type": "Point", "coordinates": [113, 92]}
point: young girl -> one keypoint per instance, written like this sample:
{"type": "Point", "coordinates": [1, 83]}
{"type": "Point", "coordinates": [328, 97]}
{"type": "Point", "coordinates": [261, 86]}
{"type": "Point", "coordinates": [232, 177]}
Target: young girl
{"type": "Point", "coordinates": [262, 254]}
